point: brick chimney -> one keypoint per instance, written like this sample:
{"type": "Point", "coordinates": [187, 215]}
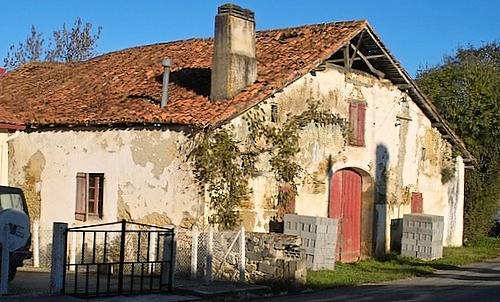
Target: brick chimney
{"type": "Point", "coordinates": [234, 65]}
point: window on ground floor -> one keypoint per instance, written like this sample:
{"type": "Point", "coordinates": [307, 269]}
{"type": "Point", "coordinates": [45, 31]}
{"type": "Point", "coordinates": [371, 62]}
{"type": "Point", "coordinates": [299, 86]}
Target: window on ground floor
{"type": "Point", "coordinates": [89, 195]}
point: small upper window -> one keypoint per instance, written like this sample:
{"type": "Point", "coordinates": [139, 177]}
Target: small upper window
{"type": "Point", "coordinates": [89, 195]}
{"type": "Point", "coordinates": [274, 113]}
{"type": "Point", "coordinates": [357, 112]}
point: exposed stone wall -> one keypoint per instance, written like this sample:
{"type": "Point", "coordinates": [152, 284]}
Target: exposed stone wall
{"type": "Point", "coordinates": [275, 257]}
{"type": "Point", "coordinates": [270, 257]}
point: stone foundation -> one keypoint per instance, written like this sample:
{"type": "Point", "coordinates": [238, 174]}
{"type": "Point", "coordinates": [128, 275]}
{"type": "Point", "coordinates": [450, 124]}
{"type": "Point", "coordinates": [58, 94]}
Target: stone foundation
{"type": "Point", "coordinates": [275, 257]}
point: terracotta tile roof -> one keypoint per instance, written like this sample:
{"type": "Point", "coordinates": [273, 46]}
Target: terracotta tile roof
{"type": "Point", "coordinates": [9, 121]}
{"type": "Point", "coordinates": [124, 87]}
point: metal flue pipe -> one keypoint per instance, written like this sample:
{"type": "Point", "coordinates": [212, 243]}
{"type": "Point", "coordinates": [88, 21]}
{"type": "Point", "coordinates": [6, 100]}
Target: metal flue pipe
{"type": "Point", "coordinates": [167, 63]}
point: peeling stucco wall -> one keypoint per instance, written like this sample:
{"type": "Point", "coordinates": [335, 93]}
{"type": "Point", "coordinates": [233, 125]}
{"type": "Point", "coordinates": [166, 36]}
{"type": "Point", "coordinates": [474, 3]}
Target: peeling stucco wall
{"type": "Point", "coordinates": [402, 154]}
{"type": "Point", "coordinates": [146, 177]}
{"type": "Point", "coordinates": [4, 157]}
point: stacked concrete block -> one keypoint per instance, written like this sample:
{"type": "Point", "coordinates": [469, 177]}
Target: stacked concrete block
{"type": "Point", "coordinates": [319, 238]}
{"type": "Point", "coordinates": [396, 234]}
{"type": "Point", "coordinates": [422, 236]}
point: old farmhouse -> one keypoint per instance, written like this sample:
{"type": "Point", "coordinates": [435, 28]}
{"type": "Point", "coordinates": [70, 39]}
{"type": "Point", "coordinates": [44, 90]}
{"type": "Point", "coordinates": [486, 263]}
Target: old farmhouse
{"type": "Point", "coordinates": [105, 139]}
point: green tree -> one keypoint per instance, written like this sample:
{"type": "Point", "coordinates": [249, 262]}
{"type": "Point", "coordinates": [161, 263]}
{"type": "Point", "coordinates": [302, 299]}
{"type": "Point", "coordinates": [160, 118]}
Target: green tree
{"type": "Point", "coordinates": [65, 45]}
{"type": "Point", "coordinates": [466, 90]}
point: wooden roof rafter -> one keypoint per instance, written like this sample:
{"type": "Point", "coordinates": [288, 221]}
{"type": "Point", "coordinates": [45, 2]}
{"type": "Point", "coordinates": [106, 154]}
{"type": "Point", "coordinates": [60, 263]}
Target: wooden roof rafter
{"type": "Point", "coordinates": [368, 48]}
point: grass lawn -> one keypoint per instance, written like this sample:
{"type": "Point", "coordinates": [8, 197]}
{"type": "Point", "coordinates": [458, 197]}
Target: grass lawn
{"type": "Point", "coordinates": [396, 267]}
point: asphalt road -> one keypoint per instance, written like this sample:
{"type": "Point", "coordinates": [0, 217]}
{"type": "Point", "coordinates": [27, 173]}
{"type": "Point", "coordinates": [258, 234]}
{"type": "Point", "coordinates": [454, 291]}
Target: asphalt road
{"type": "Point", "coordinates": [477, 282]}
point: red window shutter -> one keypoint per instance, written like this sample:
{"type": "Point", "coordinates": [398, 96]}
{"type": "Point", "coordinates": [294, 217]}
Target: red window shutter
{"type": "Point", "coordinates": [97, 194]}
{"type": "Point", "coordinates": [289, 207]}
{"type": "Point", "coordinates": [81, 196]}
{"type": "Point", "coordinates": [353, 123]}
{"type": "Point", "coordinates": [357, 113]}
{"type": "Point", "coordinates": [361, 124]}
{"type": "Point", "coordinates": [417, 202]}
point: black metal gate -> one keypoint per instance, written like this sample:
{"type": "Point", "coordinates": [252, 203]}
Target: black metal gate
{"type": "Point", "coordinates": [120, 258]}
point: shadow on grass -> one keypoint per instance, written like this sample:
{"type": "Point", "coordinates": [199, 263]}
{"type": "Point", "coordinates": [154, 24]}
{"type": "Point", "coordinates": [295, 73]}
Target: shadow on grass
{"type": "Point", "coordinates": [367, 271]}
{"type": "Point", "coordinates": [393, 266]}
{"type": "Point", "coordinates": [416, 262]}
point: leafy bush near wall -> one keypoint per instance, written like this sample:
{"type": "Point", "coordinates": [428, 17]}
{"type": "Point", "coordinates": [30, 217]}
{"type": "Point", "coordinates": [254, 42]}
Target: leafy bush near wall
{"type": "Point", "coordinates": [466, 90]}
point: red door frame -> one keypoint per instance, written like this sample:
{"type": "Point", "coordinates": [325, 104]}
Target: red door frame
{"type": "Point", "coordinates": [345, 205]}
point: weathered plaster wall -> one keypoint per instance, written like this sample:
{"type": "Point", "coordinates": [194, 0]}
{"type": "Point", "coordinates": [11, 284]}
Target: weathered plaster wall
{"type": "Point", "coordinates": [402, 154]}
{"type": "Point", "coordinates": [146, 179]}
{"type": "Point", "coordinates": [4, 158]}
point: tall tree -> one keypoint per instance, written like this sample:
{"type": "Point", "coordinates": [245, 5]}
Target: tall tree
{"type": "Point", "coordinates": [65, 45]}
{"type": "Point", "coordinates": [28, 51]}
{"type": "Point", "coordinates": [466, 89]}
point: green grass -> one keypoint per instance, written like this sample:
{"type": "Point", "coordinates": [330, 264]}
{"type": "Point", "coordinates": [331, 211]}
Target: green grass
{"type": "Point", "coordinates": [395, 267]}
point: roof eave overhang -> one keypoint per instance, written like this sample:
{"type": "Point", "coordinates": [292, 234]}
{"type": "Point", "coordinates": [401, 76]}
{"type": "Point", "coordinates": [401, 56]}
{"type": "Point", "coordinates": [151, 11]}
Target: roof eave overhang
{"type": "Point", "coordinates": [423, 102]}
{"type": "Point", "coordinates": [15, 127]}
{"type": "Point", "coordinates": [402, 79]}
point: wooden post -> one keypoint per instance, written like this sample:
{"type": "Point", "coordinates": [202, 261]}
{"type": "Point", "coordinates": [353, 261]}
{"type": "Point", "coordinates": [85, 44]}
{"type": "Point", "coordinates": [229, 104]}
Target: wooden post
{"type": "Point", "coordinates": [242, 261]}
{"type": "Point", "coordinates": [194, 253]}
{"type": "Point", "coordinates": [59, 233]}
{"type": "Point", "coordinates": [4, 274]}
{"type": "Point", "coordinates": [210, 248]}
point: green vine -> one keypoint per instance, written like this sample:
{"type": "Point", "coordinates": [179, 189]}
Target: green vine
{"type": "Point", "coordinates": [282, 143]}
{"type": "Point", "coordinates": [223, 165]}
{"type": "Point", "coordinates": [222, 168]}
{"type": "Point", "coordinates": [447, 170]}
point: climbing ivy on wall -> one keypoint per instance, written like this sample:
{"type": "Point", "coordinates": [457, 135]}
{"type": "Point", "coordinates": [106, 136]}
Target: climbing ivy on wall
{"type": "Point", "coordinates": [282, 144]}
{"type": "Point", "coordinates": [223, 165]}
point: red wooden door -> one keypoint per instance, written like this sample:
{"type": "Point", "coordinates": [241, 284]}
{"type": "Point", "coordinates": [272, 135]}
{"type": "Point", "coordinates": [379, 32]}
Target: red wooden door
{"type": "Point", "coordinates": [345, 205]}
{"type": "Point", "coordinates": [417, 202]}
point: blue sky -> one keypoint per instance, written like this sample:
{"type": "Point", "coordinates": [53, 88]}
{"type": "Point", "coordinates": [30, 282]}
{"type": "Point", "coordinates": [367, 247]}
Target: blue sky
{"type": "Point", "coordinates": [418, 32]}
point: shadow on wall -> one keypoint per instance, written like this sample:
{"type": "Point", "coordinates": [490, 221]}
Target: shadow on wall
{"type": "Point", "coordinates": [380, 226]}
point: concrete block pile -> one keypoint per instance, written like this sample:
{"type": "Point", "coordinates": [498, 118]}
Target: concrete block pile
{"type": "Point", "coordinates": [422, 236]}
{"type": "Point", "coordinates": [319, 238]}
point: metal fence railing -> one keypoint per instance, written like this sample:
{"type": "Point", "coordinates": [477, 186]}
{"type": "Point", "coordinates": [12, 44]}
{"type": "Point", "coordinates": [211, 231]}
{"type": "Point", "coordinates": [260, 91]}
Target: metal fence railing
{"type": "Point", "coordinates": [225, 245]}
{"type": "Point", "coordinates": [210, 254]}
{"type": "Point", "coordinates": [119, 258]}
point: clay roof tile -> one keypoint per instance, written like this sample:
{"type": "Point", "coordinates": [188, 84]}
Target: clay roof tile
{"type": "Point", "coordinates": [124, 87]}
